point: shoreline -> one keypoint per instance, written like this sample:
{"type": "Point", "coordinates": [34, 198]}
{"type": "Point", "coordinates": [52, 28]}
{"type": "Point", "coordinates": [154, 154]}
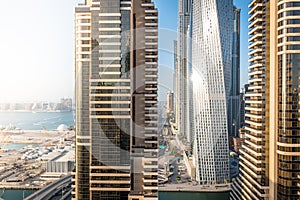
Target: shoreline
{"type": "Point", "coordinates": [33, 131]}
{"type": "Point", "coordinates": [18, 142]}
{"type": "Point", "coordinates": [34, 137]}
{"type": "Point", "coordinates": [33, 111]}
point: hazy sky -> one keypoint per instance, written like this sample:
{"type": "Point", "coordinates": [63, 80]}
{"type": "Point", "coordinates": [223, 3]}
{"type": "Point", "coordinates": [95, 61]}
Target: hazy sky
{"type": "Point", "coordinates": [36, 48]}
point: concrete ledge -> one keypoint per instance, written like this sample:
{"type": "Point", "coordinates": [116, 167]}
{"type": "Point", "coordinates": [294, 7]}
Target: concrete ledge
{"type": "Point", "coordinates": [194, 188]}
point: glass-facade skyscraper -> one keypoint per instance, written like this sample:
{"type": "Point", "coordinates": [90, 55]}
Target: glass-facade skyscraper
{"type": "Point", "coordinates": [211, 58]}
{"type": "Point", "coordinates": [181, 71]}
{"type": "Point", "coordinates": [116, 57]}
{"type": "Point", "coordinates": [234, 94]}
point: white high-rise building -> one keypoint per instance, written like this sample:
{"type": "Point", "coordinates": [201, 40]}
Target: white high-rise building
{"type": "Point", "coordinates": [170, 102]}
{"type": "Point", "coordinates": [211, 55]}
{"type": "Point", "coordinates": [181, 68]}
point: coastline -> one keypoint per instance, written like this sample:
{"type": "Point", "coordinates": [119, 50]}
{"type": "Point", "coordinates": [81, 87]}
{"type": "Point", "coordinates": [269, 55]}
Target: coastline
{"type": "Point", "coordinates": [35, 111]}
{"type": "Point", "coordinates": [27, 120]}
{"type": "Point", "coordinates": [15, 142]}
{"type": "Point", "coordinates": [31, 136]}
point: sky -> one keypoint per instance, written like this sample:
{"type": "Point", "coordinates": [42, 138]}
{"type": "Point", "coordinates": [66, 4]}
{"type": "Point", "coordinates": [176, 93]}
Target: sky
{"type": "Point", "coordinates": [168, 26]}
{"type": "Point", "coordinates": [37, 48]}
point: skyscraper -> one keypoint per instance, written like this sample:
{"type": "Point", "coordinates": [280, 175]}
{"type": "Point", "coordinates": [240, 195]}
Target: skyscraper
{"type": "Point", "coordinates": [116, 99]}
{"type": "Point", "coordinates": [181, 73]}
{"type": "Point", "coordinates": [175, 80]}
{"type": "Point", "coordinates": [170, 102]}
{"type": "Point", "coordinates": [270, 157]}
{"type": "Point", "coordinates": [234, 95]}
{"type": "Point", "coordinates": [212, 30]}
{"type": "Point", "coordinates": [242, 104]}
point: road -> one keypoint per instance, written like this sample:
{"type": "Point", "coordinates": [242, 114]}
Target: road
{"type": "Point", "coordinates": [55, 190]}
{"type": "Point", "coordinates": [170, 154]}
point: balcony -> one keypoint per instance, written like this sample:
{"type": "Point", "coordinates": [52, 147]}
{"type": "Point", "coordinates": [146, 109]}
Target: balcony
{"type": "Point", "coordinates": [254, 174]}
{"type": "Point", "coordinates": [255, 8]}
{"type": "Point", "coordinates": [255, 87]}
{"type": "Point", "coordinates": [256, 138]}
{"type": "Point", "coordinates": [147, 5]}
{"type": "Point", "coordinates": [258, 124]}
{"type": "Point", "coordinates": [252, 151]}
{"type": "Point", "coordinates": [254, 37]}
{"type": "Point", "coordinates": [256, 146]}
{"type": "Point", "coordinates": [250, 157]}
{"type": "Point", "coordinates": [255, 65]}
{"type": "Point", "coordinates": [151, 11]}
{"type": "Point", "coordinates": [254, 102]}
{"type": "Point", "coordinates": [257, 22]}
{"type": "Point", "coordinates": [256, 43]}
{"type": "Point", "coordinates": [257, 109]}
{"type": "Point", "coordinates": [255, 58]}
{"type": "Point", "coordinates": [257, 131]}
{"type": "Point", "coordinates": [247, 191]}
{"type": "Point", "coordinates": [255, 72]}
{"type": "Point", "coordinates": [255, 51]}
{"type": "Point", "coordinates": [256, 14]}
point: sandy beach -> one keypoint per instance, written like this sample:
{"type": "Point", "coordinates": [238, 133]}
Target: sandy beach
{"type": "Point", "coordinates": [31, 136]}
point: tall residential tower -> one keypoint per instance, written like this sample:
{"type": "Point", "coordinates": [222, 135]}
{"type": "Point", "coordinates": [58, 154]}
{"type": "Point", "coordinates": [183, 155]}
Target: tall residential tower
{"type": "Point", "coordinates": [270, 157]}
{"type": "Point", "coordinates": [116, 100]}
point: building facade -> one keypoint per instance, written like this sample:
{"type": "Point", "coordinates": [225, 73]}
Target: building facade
{"type": "Point", "coordinates": [234, 96]}
{"type": "Point", "coordinates": [242, 104]}
{"type": "Point", "coordinates": [270, 157]}
{"type": "Point", "coordinates": [170, 102]}
{"type": "Point", "coordinates": [211, 67]}
{"type": "Point", "coordinates": [181, 73]}
{"type": "Point", "coordinates": [116, 55]}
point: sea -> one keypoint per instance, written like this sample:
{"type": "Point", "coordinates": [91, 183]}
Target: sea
{"type": "Point", "coordinates": [36, 121]}
{"type": "Point", "coordinates": [30, 121]}
{"type": "Point", "coordinates": [15, 146]}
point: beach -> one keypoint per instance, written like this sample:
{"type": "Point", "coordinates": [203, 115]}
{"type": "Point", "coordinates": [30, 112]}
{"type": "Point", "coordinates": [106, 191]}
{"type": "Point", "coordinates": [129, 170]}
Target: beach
{"type": "Point", "coordinates": [32, 136]}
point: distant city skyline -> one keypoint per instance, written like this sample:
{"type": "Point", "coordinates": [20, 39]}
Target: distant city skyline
{"type": "Point", "coordinates": [35, 101]}
{"type": "Point", "coordinates": [36, 57]}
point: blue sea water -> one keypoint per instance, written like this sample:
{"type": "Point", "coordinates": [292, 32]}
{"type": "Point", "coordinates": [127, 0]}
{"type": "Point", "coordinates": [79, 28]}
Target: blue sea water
{"type": "Point", "coordinates": [36, 121]}
{"type": "Point", "coordinates": [15, 146]}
